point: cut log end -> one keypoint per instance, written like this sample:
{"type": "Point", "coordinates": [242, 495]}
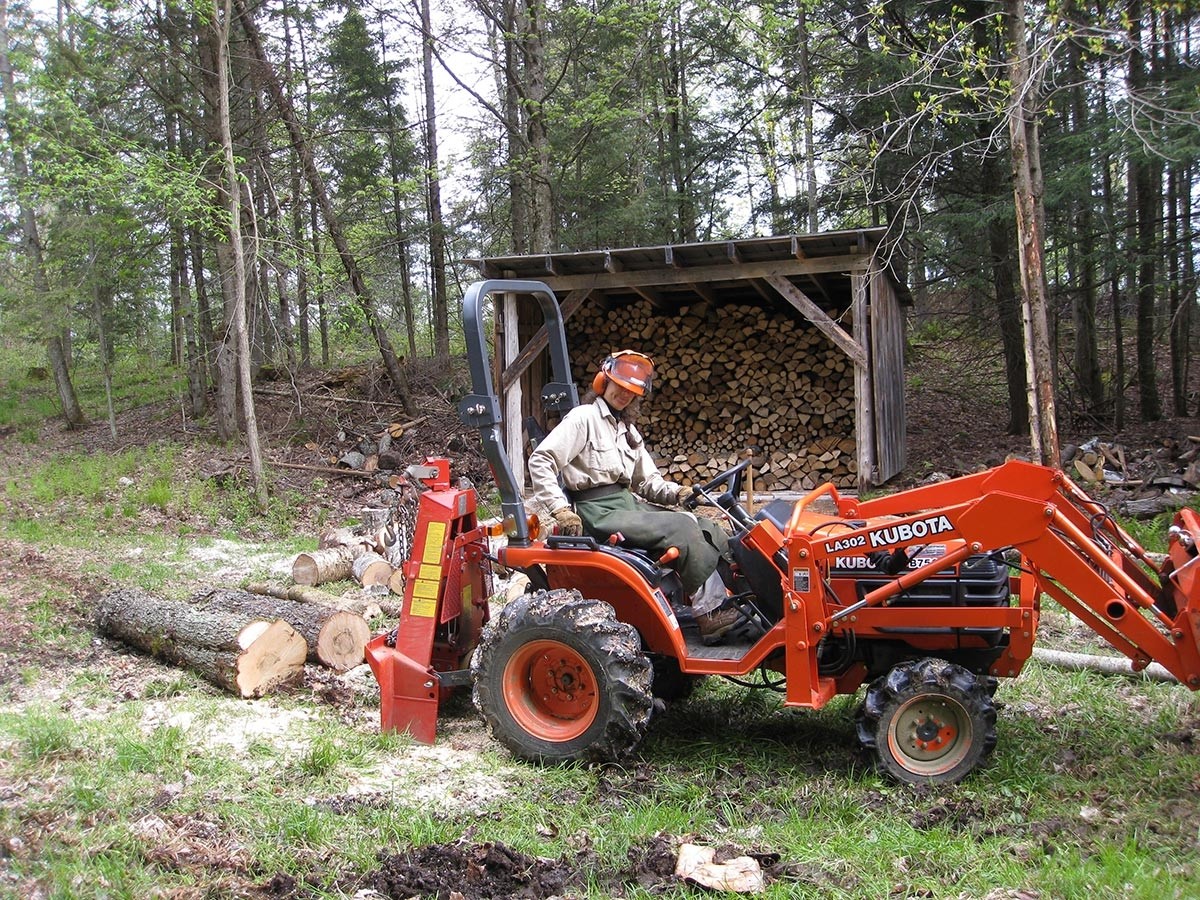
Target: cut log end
{"type": "Point", "coordinates": [342, 643]}
{"type": "Point", "coordinates": [274, 658]}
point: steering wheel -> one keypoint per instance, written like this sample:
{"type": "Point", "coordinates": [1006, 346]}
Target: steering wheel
{"type": "Point", "coordinates": [732, 476]}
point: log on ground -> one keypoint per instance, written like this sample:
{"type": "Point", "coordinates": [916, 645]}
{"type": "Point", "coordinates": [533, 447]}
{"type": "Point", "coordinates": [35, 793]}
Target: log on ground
{"type": "Point", "coordinates": [325, 565]}
{"type": "Point", "coordinates": [334, 637]}
{"type": "Point", "coordinates": [239, 652]}
{"type": "Point", "coordinates": [366, 607]}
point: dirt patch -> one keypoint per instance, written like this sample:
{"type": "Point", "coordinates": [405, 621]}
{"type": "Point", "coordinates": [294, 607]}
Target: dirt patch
{"type": "Point", "coordinates": [473, 872]}
{"type": "Point", "coordinates": [482, 871]}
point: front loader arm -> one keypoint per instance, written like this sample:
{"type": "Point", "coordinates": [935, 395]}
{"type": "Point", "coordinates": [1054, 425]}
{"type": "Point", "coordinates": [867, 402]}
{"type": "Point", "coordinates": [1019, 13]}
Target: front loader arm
{"type": "Point", "coordinates": [1071, 550]}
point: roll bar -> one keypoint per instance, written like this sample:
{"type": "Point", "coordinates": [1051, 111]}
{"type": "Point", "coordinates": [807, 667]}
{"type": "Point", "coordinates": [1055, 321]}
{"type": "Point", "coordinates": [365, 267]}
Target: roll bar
{"type": "Point", "coordinates": [481, 408]}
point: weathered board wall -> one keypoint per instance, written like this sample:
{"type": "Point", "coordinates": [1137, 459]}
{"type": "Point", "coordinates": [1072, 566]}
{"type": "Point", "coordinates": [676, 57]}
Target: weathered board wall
{"type": "Point", "coordinates": [887, 377]}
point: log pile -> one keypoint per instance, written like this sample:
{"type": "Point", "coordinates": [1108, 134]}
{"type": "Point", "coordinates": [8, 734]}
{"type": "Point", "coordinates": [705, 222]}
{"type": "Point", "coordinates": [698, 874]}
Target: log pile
{"type": "Point", "coordinates": [1140, 483]}
{"type": "Point", "coordinates": [372, 554]}
{"type": "Point", "coordinates": [247, 642]}
{"type": "Point", "coordinates": [730, 378]}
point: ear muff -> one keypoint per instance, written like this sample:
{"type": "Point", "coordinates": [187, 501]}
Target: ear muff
{"type": "Point", "coordinates": [598, 381]}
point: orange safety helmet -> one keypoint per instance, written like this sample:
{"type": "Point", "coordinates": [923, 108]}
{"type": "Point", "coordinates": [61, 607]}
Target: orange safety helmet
{"type": "Point", "coordinates": [631, 370]}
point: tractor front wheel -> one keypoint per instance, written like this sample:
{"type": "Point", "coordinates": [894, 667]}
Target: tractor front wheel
{"type": "Point", "coordinates": [558, 678]}
{"type": "Point", "coordinates": [928, 721]}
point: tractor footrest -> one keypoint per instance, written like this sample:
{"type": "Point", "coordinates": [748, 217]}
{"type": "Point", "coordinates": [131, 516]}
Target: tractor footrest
{"type": "Point", "coordinates": [697, 649]}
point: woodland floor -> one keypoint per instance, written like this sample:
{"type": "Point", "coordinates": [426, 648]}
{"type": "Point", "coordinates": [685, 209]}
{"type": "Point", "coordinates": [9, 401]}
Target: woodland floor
{"type": "Point", "coordinates": [954, 427]}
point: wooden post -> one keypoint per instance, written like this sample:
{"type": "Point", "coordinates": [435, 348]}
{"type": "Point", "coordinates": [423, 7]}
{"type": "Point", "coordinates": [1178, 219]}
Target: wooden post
{"type": "Point", "coordinates": [749, 453]}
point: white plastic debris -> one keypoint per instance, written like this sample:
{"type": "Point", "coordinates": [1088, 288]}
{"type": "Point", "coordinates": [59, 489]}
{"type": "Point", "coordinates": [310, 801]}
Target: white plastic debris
{"type": "Point", "coordinates": [741, 874]}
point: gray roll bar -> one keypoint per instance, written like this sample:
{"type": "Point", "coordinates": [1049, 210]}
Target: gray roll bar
{"type": "Point", "coordinates": [481, 408]}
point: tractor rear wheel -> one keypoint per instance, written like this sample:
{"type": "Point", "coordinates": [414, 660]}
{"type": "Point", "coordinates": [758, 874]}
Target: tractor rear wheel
{"type": "Point", "coordinates": [558, 678]}
{"type": "Point", "coordinates": [928, 721]}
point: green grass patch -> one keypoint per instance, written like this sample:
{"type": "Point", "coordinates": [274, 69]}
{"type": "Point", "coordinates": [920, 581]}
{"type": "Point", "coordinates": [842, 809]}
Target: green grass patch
{"type": "Point", "coordinates": [40, 735]}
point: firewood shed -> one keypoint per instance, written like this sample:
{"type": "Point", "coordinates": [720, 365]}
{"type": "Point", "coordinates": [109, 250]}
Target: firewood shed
{"type": "Point", "coordinates": [789, 347]}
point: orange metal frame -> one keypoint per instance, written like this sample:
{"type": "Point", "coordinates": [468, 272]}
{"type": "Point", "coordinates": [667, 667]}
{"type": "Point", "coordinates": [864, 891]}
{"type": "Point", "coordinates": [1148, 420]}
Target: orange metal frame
{"type": "Point", "coordinates": [1069, 549]}
{"type": "Point", "coordinates": [446, 588]}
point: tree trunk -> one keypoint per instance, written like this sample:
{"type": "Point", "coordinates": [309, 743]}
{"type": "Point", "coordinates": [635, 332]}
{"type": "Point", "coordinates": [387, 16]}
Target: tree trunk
{"type": "Point", "coordinates": [237, 652]}
{"type": "Point", "coordinates": [366, 302]}
{"type": "Point", "coordinates": [534, 55]}
{"type": "Point", "coordinates": [806, 106]}
{"type": "Point", "coordinates": [31, 241]}
{"type": "Point", "coordinates": [334, 637]}
{"type": "Point", "coordinates": [1026, 164]}
{"type": "Point", "coordinates": [1143, 185]}
{"type": "Point", "coordinates": [1112, 264]}
{"type": "Point", "coordinates": [1083, 307]}
{"type": "Point", "coordinates": [222, 22]}
{"type": "Point", "coordinates": [437, 228]}
{"type": "Point", "coordinates": [1011, 334]}
{"type": "Point", "coordinates": [99, 304]}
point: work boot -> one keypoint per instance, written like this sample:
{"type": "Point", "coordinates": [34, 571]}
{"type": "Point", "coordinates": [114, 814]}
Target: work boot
{"type": "Point", "coordinates": [713, 625]}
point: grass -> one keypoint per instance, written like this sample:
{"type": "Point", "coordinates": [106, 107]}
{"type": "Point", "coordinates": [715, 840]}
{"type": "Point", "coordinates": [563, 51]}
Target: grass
{"type": "Point", "coordinates": [1089, 794]}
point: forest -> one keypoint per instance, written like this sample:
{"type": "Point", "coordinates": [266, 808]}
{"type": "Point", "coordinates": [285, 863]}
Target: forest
{"type": "Point", "coordinates": [226, 185]}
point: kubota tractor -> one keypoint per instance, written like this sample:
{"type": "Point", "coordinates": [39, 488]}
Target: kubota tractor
{"type": "Point", "coordinates": [926, 596]}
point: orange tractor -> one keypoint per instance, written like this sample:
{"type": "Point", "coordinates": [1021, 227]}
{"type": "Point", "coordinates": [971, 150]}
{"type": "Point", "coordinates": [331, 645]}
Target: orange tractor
{"type": "Point", "coordinates": [927, 596]}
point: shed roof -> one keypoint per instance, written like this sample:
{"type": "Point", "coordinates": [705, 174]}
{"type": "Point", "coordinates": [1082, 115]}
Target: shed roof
{"type": "Point", "coordinates": [721, 272]}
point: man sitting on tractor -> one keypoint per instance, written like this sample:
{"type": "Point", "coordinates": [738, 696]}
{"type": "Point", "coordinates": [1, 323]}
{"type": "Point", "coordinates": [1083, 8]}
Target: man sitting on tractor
{"type": "Point", "coordinates": [600, 457]}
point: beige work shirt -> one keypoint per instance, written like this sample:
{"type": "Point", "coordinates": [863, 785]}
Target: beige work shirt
{"type": "Point", "coordinates": [591, 447]}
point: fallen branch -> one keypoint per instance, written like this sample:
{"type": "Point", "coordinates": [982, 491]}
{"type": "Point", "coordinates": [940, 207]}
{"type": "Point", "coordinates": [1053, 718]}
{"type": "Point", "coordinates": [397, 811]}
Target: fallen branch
{"type": "Point", "coordinates": [326, 470]}
{"type": "Point", "coordinates": [268, 392]}
{"type": "Point", "coordinates": [1107, 665]}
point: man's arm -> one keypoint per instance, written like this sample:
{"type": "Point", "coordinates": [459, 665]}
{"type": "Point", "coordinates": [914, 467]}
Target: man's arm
{"type": "Point", "coordinates": [552, 455]}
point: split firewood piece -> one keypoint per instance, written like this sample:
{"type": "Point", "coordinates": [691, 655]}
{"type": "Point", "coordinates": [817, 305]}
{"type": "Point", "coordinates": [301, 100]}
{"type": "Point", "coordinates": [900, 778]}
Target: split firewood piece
{"type": "Point", "coordinates": [334, 637]}
{"type": "Point", "coordinates": [329, 564]}
{"type": "Point", "coordinates": [1085, 471]}
{"type": "Point", "coordinates": [371, 569]}
{"type": "Point", "coordinates": [236, 651]}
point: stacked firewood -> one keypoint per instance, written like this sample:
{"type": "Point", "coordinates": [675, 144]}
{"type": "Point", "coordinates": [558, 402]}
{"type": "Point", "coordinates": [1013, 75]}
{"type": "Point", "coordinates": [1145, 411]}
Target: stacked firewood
{"type": "Point", "coordinates": [728, 379]}
{"type": "Point", "coordinates": [372, 554]}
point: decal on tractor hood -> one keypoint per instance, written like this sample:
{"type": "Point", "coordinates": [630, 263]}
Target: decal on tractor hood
{"type": "Point", "coordinates": [892, 534]}
{"type": "Point", "coordinates": [928, 554]}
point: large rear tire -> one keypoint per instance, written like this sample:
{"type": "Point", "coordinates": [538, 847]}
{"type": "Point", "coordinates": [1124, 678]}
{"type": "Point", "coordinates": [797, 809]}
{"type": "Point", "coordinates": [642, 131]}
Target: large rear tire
{"type": "Point", "coordinates": [558, 678]}
{"type": "Point", "coordinates": [928, 721]}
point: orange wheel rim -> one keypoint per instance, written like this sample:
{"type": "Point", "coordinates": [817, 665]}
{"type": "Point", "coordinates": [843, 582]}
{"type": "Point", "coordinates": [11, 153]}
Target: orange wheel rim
{"type": "Point", "coordinates": [550, 690]}
{"type": "Point", "coordinates": [930, 735]}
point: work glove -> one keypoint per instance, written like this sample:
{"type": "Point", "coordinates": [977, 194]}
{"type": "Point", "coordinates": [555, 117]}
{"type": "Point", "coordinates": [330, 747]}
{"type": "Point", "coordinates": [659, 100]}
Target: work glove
{"type": "Point", "coordinates": [686, 497]}
{"type": "Point", "coordinates": [568, 521]}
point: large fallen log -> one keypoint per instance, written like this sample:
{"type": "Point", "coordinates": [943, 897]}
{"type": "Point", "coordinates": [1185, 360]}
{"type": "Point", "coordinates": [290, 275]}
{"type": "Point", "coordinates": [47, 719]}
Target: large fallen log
{"type": "Point", "coordinates": [238, 651]}
{"type": "Point", "coordinates": [334, 637]}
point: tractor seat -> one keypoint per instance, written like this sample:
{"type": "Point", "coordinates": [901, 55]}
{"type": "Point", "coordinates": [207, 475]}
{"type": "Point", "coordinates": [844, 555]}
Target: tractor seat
{"type": "Point", "coordinates": [640, 560]}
